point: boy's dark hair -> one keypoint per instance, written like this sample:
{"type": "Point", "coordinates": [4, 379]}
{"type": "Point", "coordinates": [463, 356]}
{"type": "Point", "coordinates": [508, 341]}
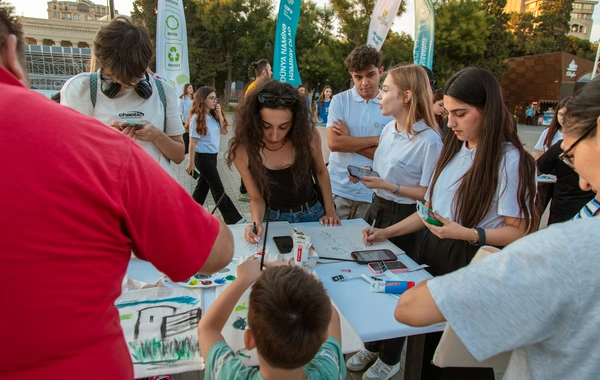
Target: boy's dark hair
{"type": "Point", "coordinates": [289, 315]}
{"type": "Point", "coordinates": [259, 66]}
{"type": "Point", "coordinates": [300, 86]}
{"type": "Point", "coordinates": [10, 24]}
{"type": "Point", "coordinates": [362, 57]}
{"type": "Point", "coordinates": [123, 49]}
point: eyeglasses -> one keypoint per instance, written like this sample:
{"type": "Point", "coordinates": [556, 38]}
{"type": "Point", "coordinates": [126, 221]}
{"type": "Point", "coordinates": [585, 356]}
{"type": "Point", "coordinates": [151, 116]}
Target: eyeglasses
{"type": "Point", "coordinates": [566, 157]}
{"type": "Point", "coordinates": [213, 99]}
{"type": "Point", "coordinates": [285, 99]}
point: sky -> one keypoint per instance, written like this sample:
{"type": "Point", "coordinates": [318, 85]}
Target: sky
{"type": "Point", "coordinates": [406, 23]}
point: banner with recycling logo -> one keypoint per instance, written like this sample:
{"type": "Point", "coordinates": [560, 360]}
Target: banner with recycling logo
{"type": "Point", "coordinates": [285, 67]}
{"type": "Point", "coordinates": [171, 44]}
{"type": "Point", "coordinates": [424, 32]}
{"type": "Point", "coordinates": [382, 19]}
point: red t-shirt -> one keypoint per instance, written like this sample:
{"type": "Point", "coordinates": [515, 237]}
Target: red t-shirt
{"type": "Point", "coordinates": [75, 197]}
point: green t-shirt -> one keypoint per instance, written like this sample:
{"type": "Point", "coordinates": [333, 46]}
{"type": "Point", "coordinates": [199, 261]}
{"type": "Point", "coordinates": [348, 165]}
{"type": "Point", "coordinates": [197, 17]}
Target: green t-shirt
{"type": "Point", "coordinates": [221, 363]}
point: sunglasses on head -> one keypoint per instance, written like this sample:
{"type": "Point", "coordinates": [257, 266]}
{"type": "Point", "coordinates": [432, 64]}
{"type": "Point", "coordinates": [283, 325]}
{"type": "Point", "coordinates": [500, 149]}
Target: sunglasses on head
{"type": "Point", "coordinates": [566, 156]}
{"type": "Point", "coordinates": [285, 99]}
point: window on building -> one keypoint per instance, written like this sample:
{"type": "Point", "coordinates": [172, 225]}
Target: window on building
{"type": "Point", "coordinates": [587, 6]}
{"type": "Point", "coordinates": [583, 29]}
{"type": "Point", "coordinates": [30, 41]}
{"type": "Point", "coordinates": [54, 7]}
{"type": "Point", "coordinates": [54, 14]}
{"type": "Point", "coordinates": [82, 8]}
{"type": "Point", "coordinates": [575, 28]}
{"type": "Point", "coordinates": [88, 17]}
{"type": "Point", "coordinates": [66, 7]}
{"type": "Point", "coordinates": [76, 17]}
{"type": "Point", "coordinates": [83, 45]}
{"type": "Point", "coordinates": [66, 44]}
{"type": "Point", "coordinates": [47, 42]}
{"type": "Point", "coordinates": [67, 16]}
{"type": "Point", "coordinates": [577, 6]}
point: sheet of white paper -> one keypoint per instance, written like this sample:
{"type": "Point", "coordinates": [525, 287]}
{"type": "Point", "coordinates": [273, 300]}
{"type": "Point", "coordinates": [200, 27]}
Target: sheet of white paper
{"type": "Point", "coordinates": [339, 242]}
{"type": "Point", "coordinates": [160, 328]}
{"type": "Point", "coordinates": [243, 248]}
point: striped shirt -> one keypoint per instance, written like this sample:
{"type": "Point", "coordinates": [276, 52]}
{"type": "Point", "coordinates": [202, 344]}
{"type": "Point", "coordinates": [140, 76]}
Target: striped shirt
{"type": "Point", "coordinates": [589, 210]}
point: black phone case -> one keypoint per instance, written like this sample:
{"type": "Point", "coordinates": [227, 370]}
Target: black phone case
{"type": "Point", "coordinates": [357, 259]}
{"type": "Point", "coordinates": [284, 243]}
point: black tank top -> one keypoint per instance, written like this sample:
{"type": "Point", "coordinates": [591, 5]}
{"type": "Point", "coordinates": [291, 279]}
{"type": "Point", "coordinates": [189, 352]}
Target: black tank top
{"type": "Point", "coordinates": [283, 194]}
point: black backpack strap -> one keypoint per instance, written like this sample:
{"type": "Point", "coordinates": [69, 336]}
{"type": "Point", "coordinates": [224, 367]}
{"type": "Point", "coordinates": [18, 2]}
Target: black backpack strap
{"type": "Point", "coordinates": [93, 88]}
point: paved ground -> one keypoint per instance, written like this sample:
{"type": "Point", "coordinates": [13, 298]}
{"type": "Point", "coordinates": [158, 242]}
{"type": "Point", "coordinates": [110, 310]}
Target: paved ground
{"type": "Point", "coordinates": [231, 181]}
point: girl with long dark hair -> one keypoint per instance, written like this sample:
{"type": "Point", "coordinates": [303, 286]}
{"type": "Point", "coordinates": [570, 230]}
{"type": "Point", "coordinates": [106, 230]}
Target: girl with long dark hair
{"type": "Point", "coordinates": [483, 190]}
{"type": "Point", "coordinates": [277, 151]}
{"type": "Point", "coordinates": [206, 125]}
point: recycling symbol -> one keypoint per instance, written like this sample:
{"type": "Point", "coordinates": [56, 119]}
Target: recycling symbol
{"type": "Point", "coordinates": [172, 22]}
{"type": "Point", "coordinates": [173, 54]}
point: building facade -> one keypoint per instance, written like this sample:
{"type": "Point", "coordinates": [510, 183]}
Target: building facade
{"type": "Point", "coordinates": [82, 10]}
{"type": "Point", "coordinates": [581, 16]}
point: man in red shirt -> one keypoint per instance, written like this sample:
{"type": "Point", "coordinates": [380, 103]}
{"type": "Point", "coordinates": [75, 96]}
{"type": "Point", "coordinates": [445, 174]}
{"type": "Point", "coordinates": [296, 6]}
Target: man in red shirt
{"type": "Point", "coordinates": [76, 198]}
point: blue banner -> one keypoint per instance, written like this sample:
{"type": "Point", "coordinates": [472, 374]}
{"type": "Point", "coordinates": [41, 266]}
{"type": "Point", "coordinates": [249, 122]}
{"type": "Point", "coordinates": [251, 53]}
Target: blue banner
{"type": "Point", "coordinates": [424, 33]}
{"type": "Point", "coordinates": [285, 67]}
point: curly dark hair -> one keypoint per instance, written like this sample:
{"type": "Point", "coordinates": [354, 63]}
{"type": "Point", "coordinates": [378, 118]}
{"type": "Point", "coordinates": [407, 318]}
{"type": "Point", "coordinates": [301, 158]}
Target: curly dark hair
{"type": "Point", "coordinates": [249, 134]}
{"type": "Point", "coordinates": [362, 57]}
{"type": "Point", "coordinates": [10, 24]}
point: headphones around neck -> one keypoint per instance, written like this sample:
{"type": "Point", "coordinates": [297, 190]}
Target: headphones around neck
{"type": "Point", "coordinates": [142, 88]}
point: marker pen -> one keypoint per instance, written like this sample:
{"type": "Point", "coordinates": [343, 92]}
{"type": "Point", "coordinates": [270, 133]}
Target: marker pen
{"type": "Point", "coordinates": [395, 287]}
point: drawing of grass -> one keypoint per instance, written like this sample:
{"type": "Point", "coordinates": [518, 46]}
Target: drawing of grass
{"type": "Point", "coordinates": [170, 350]}
{"type": "Point", "coordinates": [125, 317]}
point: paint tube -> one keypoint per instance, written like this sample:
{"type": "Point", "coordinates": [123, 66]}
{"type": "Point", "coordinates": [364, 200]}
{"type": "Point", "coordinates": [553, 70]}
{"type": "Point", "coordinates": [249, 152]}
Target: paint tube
{"type": "Point", "coordinates": [301, 249]}
{"type": "Point", "coordinates": [395, 287]}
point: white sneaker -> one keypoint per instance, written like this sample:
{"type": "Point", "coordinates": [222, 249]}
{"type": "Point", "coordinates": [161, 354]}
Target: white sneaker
{"type": "Point", "coordinates": [361, 360]}
{"type": "Point", "coordinates": [381, 371]}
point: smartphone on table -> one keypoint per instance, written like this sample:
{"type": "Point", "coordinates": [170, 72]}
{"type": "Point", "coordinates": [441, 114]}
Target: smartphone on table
{"type": "Point", "coordinates": [357, 172]}
{"type": "Point", "coordinates": [427, 215]}
{"type": "Point", "coordinates": [373, 255]}
{"type": "Point", "coordinates": [393, 266]}
{"type": "Point", "coordinates": [284, 243]}
{"type": "Point", "coordinates": [134, 124]}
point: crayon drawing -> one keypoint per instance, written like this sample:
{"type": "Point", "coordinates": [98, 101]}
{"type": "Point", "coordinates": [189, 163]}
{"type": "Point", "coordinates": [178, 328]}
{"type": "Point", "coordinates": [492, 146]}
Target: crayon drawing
{"type": "Point", "coordinates": [159, 325]}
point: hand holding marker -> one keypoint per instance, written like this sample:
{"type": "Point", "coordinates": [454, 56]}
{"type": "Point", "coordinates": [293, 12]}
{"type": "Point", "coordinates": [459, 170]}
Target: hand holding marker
{"type": "Point", "coordinates": [371, 230]}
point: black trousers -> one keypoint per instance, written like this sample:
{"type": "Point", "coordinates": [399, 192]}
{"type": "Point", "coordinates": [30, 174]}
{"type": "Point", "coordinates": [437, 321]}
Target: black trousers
{"type": "Point", "coordinates": [386, 214]}
{"type": "Point", "coordinates": [445, 256]}
{"type": "Point", "coordinates": [206, 163]}
{"type": "Point", "coordinates": [242, 187]}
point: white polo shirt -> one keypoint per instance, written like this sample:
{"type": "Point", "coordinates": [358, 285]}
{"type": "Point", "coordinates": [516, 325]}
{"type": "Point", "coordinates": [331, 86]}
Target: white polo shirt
{"type": "Point", "coordinates": [127, 105]}
{"type": "Point", "coordinates": [408, 160]}
{"type": "Point", "coordinates": [210, 142]}
{"type": "Point", "coordinates": [540, 144]}
{"type": "Point", "coordinates": [363, 120]}
{"type": "Point", "coordinates": [505, 202]}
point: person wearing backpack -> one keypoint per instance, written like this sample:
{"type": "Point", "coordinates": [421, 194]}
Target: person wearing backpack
{"type": "Point", "coordinates": [123, 95]}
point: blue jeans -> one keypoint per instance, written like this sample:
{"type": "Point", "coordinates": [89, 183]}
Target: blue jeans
{"type": "Point", "coordinates": [309, 214]}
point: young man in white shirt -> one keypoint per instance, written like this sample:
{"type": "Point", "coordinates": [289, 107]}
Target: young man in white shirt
{"type": "Point", "coordinates": [353, 128]}
{"type": "Point", "coordinates": [124, 91]}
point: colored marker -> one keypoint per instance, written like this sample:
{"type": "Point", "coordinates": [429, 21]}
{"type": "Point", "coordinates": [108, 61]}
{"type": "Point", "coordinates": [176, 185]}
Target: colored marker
{"type": "Point", "coordinates": [255, 230]}
{"type": "Point", "coordinates": [347, 270]}
{"type": "Point", "coordinates": [395, 287]}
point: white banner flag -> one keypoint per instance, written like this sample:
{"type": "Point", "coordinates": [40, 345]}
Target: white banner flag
{"type": "Point", "coordinates": [171, 44]}
{"type": "Point", "coordinates": [383, 16]}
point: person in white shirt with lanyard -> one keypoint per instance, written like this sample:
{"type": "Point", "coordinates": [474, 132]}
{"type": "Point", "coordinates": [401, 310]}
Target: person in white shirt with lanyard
{"type": "Point", "coordinates": [353, 128]}
{"type": "Point", "coordinates": [206, 125]}
{"type": "Point", "coordinates": [408, 151]}
{"type": "Point", "coordinates": [483, 190]}
{"type": "Point", "coordinates": [122, 90]}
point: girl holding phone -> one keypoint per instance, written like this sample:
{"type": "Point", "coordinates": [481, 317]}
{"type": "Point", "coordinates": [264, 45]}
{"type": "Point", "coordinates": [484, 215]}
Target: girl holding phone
{"type": "Point", "coordinates": [409, 147]}
{"type": "Point", "coordinates": [277, 151]}
{"type": "Point", "coordinates": [206, 124]}
{"type": "Point", "coordinates": [483, 190]}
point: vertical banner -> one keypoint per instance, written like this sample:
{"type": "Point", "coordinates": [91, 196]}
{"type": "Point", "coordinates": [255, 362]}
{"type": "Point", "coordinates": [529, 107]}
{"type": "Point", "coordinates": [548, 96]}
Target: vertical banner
{"type": "Point", "coordinates": [285, 67]}
{"type": "Point", "coordinates": [171, 44]}
{"type": "Point", "coordinates": [424, 33]}
{"type": "Point", "coordinates": [382, 18]}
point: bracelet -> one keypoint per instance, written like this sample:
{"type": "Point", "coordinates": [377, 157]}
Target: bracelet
{"type": "Point", "coordinates": [476, 240]}
{"type": "Point", "coordinates": [395, 192]}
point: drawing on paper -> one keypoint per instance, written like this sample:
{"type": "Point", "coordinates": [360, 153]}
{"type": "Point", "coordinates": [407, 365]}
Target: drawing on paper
{"type": "Point", "coordinates": [198, 280]}
{"type": "Point", "coordinates": [160, 328]}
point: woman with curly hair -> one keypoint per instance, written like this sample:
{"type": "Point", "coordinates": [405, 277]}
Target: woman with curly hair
{"type": "Point", "coordinates": [277, 151]}
{"type": "Point", "coordinates": [206, 124]}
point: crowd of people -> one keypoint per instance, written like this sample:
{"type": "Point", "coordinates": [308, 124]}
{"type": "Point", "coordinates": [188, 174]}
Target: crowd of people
{"type": "Point", "coordinates": [104, 188]}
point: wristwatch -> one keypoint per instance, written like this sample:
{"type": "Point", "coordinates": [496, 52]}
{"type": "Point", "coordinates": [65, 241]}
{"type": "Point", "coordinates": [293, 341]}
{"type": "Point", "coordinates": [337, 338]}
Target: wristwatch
{"type": "Point", "coordinates": [395, 192]}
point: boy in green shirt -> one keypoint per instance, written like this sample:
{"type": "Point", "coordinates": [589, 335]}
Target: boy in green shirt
{"type": "Point", "coordinates": [291, 323]}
